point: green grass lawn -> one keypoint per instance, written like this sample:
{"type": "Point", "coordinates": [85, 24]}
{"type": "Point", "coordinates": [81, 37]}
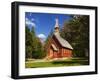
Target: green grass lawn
{"type": "Point", "coordinates": [57, 63]}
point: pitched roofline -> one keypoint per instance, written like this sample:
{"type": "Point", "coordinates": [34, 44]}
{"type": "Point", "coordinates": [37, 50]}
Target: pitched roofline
{"type": "Point", "coordinates": [62, 44]}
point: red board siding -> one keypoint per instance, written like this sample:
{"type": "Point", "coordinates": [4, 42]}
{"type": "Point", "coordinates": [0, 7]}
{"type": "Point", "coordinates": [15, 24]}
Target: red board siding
{"type": "Point", "coordinates": [66, 52]}
{"type": "Point", "coordinates": [62, 52]}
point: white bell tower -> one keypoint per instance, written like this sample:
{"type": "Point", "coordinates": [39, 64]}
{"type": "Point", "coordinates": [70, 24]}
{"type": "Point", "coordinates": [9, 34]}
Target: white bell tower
{"type": "Point", "coordinates": [56, 26]}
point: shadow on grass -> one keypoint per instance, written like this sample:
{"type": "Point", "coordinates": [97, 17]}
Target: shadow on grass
{"type": "Point", "coordinates": [58, 63]}
{"type": "Point", "coordinates": [72, 62]}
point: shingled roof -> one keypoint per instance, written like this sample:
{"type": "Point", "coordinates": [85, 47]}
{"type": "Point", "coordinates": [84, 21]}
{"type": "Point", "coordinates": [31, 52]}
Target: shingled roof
{"type": "Point", "coordinates": [62, 41]}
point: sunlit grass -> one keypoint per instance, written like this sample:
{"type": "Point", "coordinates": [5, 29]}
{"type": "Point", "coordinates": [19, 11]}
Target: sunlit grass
{"type": "Point", "coordinates": [56, 63]}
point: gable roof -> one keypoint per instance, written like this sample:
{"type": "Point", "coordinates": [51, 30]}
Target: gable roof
{"type": "Point", "coordinates": [54, 47]}
{"type": "Point", "coordinates": [62, 41]}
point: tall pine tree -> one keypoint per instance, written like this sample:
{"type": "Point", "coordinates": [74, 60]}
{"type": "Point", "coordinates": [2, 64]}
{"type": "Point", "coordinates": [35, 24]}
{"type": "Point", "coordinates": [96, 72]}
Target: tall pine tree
{"type": "Point", "coordinates": [76, 31]}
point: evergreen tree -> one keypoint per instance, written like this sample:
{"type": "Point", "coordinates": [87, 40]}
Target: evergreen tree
{"type": "Point", "coordinates": [28, 43]}
{"type": "Point", "coordinates": [76, 31]}
{"type": "Point", "coordinates": [34, 47]}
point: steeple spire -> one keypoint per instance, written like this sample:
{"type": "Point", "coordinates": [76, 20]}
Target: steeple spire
{"type": "Point", "coordinates": [56, 25]}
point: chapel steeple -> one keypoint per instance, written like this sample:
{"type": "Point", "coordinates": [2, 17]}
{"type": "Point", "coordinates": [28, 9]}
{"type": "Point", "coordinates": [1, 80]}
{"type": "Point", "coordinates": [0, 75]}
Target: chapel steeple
{"type": "Point", "coordinates": [56, 26]}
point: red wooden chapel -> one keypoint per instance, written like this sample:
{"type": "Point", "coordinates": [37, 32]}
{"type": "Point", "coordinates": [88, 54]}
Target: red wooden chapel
{"type": "Point", "coordinates": [57, 46]}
